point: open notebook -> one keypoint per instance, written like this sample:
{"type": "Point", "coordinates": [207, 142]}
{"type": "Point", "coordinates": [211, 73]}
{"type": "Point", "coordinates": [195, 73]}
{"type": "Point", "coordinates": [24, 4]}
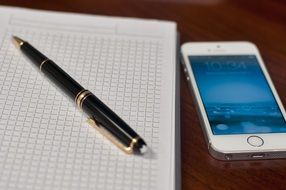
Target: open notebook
{"type": "Point", "coordinates": [130, 64]}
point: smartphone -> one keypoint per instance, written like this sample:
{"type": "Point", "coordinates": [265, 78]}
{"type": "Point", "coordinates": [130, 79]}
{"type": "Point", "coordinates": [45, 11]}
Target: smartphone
{"type": "Point", "coordinates": [241, 114]}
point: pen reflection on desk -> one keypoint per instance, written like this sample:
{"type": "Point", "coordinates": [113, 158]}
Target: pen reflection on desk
{"type": "Point", "coordinates": [100, 116]}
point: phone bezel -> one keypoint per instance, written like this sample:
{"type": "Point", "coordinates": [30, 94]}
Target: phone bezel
{"type": "Point", "coordinates": [233, 143]}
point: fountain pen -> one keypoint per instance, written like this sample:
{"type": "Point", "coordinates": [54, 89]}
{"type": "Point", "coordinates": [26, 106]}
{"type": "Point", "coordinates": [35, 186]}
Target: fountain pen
{"type": "Point", "coordinates": [99, 115]}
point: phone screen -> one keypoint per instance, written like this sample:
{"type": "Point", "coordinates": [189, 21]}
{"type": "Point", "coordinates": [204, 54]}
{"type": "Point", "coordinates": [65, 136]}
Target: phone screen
{"type": "Point", "coordinates": [236, 95]}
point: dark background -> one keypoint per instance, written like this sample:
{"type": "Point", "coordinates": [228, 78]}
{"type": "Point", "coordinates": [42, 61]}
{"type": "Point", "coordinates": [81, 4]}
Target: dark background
{"type": "Point", "coordinates": [262, 22]}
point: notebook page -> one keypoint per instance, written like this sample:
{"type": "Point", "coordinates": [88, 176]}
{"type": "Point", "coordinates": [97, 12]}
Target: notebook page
{"type": "Point", "coordinates": [45, 141]}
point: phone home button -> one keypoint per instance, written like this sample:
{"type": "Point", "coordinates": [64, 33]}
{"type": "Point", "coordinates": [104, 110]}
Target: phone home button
{"type": "Point", "coordinates": [255, 141]}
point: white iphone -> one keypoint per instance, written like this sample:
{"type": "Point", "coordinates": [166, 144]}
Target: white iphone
{"type": "Point", "coordinates": [241, 114]}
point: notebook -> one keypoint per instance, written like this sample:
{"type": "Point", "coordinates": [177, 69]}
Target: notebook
{"type": "Point", "coordinates": [130, 64]}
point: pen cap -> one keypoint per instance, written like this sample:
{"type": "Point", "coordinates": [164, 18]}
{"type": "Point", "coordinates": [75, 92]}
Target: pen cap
{"type": "Point", "coordinates": [108, 119]}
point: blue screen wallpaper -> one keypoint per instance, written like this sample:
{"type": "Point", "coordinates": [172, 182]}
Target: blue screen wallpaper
{"type": "Point", "coordinates": [236, 95]}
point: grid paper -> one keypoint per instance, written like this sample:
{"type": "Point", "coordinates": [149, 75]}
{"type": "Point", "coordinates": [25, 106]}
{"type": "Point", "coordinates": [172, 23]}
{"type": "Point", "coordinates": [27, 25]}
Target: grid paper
{"type": "Point", "coordinates": [45, 142]}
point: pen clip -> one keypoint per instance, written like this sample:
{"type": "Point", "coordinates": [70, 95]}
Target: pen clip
{"type": "Point", "coordinates": [107, 134]}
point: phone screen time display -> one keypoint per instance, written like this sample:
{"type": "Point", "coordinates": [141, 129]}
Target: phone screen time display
{"type": "Point", "coordinates": [236, 95]}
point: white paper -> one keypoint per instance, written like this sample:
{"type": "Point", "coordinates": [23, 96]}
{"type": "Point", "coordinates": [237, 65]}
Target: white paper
{"type": "Point", "coordinates": [45, 141]}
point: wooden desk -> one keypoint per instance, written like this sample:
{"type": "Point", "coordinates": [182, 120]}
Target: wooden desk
{"type": "Point", "coordinates": [262, 22]}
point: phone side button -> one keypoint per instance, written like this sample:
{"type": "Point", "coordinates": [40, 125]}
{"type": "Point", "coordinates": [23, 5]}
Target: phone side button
{"type": "Point", "coordinates": [255, 141]}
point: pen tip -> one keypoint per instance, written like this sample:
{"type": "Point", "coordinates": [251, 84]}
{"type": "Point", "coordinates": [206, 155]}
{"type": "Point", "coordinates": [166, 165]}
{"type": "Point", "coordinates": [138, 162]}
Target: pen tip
{"type": "Point", "coordinates": [17, 41]}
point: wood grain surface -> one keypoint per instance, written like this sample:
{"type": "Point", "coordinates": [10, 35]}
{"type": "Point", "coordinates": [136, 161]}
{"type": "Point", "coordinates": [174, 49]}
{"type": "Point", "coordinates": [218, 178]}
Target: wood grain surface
{"type": "Point", "coordinates": [262, 22]}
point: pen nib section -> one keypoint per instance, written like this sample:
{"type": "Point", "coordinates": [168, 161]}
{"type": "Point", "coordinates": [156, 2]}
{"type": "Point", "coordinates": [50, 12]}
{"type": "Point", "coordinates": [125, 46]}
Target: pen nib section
{"type": "Point", "coordinates": [108, 135]}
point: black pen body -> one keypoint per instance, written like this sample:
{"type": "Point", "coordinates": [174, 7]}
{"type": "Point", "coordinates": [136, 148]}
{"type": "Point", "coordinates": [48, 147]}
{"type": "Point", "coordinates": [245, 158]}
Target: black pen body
{"type": "Point", "coordinates": [88, 102]}
{"type": "Point", "coordinates": [52, 71]}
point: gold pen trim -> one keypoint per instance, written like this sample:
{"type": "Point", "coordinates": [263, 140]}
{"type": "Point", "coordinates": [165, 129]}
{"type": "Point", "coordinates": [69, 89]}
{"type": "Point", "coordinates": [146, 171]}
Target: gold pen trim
{"type": "Point", "coordinates": [43, 62]}
{"type": "Point", "coordinates": [81, 96]}
{"type": "Point", "coordinates": [82, 100]}
{"type": "Point", "coordinates": [76, 97]}
{"type": "Point", "coordinates": [116, 142]}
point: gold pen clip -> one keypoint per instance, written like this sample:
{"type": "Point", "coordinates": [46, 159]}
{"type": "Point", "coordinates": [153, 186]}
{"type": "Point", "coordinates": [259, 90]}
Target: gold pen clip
{"type": "Point", "coordinates": [107, 134]}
